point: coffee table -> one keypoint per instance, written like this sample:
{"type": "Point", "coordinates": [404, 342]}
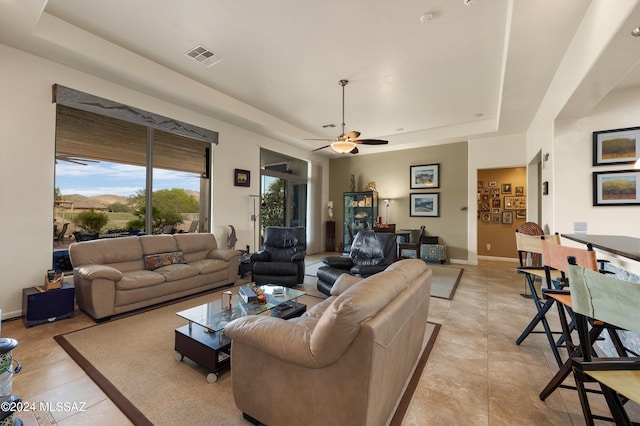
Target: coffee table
{"type": "Point", "coordinates": [203, 340]}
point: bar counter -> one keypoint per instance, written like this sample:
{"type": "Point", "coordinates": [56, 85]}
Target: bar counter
{"type": "Point", "coordinates": [628, 247]}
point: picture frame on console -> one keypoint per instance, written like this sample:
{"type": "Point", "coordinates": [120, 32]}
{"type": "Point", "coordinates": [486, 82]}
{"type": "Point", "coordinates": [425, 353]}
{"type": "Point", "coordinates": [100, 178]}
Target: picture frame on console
{"type": "Point", "coordinates": [617, 146]}
{"type": "Point", "coordinates": [616, 188]}
{"type": "Point", "coordinates": [425, 204]}
{"type": "Point", "coordinates": [425, 176]}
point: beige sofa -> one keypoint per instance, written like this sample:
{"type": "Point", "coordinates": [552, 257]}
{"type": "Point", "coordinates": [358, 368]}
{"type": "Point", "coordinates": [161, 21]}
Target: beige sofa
{"type": "Point", "coordinates": [117, 275]}
{"type": "Point", "coordinates": [344, 362]}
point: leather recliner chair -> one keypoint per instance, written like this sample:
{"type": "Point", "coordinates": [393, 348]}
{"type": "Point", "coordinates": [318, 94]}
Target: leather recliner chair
{"type": "Point", "coordinates": [281, 261]}
{"type": "Point", "coordinates": [371, 252]}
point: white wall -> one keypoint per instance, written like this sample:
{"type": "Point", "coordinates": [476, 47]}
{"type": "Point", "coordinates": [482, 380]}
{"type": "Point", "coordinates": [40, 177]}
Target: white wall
{"type": "Point", "coordinates": [572, 181]}
{"type": "Point", "coordinates": [601, 23]}
{"type": "Point", "coordinates": [27, 135]}
{"type": "Point", "coordinates": [489, 153]}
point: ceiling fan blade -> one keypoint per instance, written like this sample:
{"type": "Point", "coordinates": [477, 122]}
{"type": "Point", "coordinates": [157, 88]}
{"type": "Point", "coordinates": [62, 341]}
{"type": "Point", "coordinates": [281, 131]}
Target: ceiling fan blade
{"type": "Point", "coordinates": [354, 150]}
{"type": "Point", "coordinates": [352, 135]}
{"type": "Point", "coordinates": [371, 142]}
{"type": "Point", "coordinates": [318, 149]}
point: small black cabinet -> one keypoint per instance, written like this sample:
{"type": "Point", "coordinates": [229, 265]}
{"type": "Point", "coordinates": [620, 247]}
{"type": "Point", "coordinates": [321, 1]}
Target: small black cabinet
{"type": "Point", "coordinates": [52, 305]}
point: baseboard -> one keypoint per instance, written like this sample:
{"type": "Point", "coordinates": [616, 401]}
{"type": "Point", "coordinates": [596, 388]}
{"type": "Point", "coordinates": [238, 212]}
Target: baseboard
{"type": "Point", "coordinates": [502, 259]}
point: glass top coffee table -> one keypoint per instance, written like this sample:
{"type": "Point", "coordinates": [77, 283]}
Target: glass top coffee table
{"type": "Point", "coordinates": [203, 339]}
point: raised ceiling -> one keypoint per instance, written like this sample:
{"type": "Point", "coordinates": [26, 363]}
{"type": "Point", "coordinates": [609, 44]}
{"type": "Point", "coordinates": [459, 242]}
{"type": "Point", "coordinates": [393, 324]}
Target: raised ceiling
{"type": "Point", "coordinates": [421, 72]}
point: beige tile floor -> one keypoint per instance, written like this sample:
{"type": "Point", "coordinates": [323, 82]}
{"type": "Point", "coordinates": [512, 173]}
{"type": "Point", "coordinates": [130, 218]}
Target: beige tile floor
{"type": "Point", "coordinates": [476, 374]}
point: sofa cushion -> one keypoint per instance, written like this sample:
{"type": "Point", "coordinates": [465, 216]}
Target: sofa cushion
{"type": "Point", "coordinates": [152, 244]}
{"type": "Point", "coordinates": [341, 321]}
{"type": "Point", "coordinates": [343, 283]}
{"type": "Point", "coordinates": [195, 246]}
{"type": "Point", "coordinates": [138, 279]}
{"type": "Point", "coordinates": [155, 261]}
{"type": "Point", "coordinates": [208, 266]}
{"type": "Point", "coordinates": [177, 271]}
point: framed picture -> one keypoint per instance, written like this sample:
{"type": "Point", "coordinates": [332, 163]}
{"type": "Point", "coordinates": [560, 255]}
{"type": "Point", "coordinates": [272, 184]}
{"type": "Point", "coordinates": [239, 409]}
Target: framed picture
{"type": "Point", "coordinates": [486, 217]}
{"type": "Point", "coordinates": [484, 207]}
{"type": "Point", "coordinates": [495, 192]}
{"type": "Point", "coordinates": [616, 188]}
{"type": "Point", "coordinates": [618, 146]}
{"type": "Point", "coordinates": [495, 202]}
{"type": "Point", "coordinates": [521, 214]}
{"type": "Point", "coordinates": [520, 190]}
{"type": "Point", "coordinates": [515, 203]}
{"type": "Point", "coordinates": [493, 183]}
{"type": "Point", "coordinates": [495, 211]}
{"type": "Point", "coordinates": [426, 204]}
{"type": "Point", "coordinates": [507, 217]}
{"type": "Point", "coordinates": [242, 177]}
{"type": "Point", "coordinates": [495, 218]}
{"type": "Point", "coordinates": [506, 188]}
{"type": "Point", "coordinates": [425, 176]}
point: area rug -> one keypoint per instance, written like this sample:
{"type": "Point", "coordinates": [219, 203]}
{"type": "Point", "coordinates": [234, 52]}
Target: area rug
{"type": "Point", "coordinates": [132, 360]}
{"type": "Point", "coordinates": [443, 284]}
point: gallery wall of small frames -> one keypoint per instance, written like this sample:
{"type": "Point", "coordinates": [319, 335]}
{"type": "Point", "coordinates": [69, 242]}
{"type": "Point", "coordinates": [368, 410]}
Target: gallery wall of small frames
{"type": "Point", "coordinates": [501, 203]}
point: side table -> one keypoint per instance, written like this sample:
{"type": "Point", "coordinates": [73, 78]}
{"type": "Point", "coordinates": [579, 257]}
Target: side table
{"type": "Point", "coordinates": [52, 305]}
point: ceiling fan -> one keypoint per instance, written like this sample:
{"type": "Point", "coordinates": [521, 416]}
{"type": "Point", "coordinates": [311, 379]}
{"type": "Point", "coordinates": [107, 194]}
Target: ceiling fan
{"type": "Point", "coordinates": [347, 142]}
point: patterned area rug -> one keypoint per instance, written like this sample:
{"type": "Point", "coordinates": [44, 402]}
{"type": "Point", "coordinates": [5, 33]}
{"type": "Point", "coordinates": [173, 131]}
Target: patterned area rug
{"type": "Point", "coordinates": [132, 360]}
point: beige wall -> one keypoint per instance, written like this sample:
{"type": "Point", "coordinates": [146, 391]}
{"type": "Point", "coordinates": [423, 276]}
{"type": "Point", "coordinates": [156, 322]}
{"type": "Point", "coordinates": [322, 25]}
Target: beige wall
{"type": "Point", "coordinates": [27, 135]}
{"type": "Point", "coordinates": [496, 239]}
{"type": "Point", "coordinates": [390, 171]}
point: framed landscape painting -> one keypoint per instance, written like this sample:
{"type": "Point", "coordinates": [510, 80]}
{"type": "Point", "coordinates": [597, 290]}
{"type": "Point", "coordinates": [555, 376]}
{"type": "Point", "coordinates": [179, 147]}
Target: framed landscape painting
{"type": "Point", "coordinates": [425, 176]}
{"type": "Point", "coordinates": [425, 205]}
{"type": "Point", "coordinates": [617, 146]}
{"type": "Point", "coordinates": [616, 188]}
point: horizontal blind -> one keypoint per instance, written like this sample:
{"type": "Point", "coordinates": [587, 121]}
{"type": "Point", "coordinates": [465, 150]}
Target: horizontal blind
{"type": "Point", "coordinates": [84, 134]}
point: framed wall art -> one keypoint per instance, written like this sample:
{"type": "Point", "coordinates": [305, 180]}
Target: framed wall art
{"type": "Point", "coordinates": [241, 177]}
{"type": "Point", "coordinates": [618, 146]}
{"type": "Point", "coordinates": [425, 176]}
{"type": "Point", "coordinates": [425, 204]}
{"type": "Point", "coordinates": [507, 217]}
{"type": "Point", "coordinates": [506, 188]}
{"type": "Point", "coordinates": [616, 188]}
{"type": "Point", "coordinates": [515, 203]}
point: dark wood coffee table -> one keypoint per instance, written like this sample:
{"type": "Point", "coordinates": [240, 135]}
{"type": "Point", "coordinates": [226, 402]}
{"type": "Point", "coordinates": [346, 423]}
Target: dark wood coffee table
{"type": "Point", "coordinates": [203, 339]}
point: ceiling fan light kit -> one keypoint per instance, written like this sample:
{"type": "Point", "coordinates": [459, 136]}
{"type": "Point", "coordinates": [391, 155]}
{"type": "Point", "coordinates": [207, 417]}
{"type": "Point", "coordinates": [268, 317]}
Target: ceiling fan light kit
{"type": "Point", "coordinates": [343, 146]}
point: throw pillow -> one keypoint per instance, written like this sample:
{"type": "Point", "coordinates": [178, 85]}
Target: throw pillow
{"type": "Point", "coordinates": [155, 261]}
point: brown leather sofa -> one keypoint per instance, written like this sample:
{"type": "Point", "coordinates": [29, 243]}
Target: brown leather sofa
{"type": "Point", "coordinates": [343, 362]}
{"type": "Point", "coordinates": [117, 275]}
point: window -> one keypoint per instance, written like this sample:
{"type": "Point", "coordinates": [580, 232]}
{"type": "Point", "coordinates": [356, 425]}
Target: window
{"type": "Point", "coordinates": [283, 191]}
{"type": "Point", "coordinates": [143, 171]}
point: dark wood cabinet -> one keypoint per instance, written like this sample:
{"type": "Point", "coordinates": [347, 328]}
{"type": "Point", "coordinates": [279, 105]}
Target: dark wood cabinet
{"type": "Point", "coordinates": [330, 236]}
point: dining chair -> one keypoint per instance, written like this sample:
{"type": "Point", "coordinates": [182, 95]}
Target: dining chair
{"type": "Point", "coordinates": [532, 244]}
{"type": "Point", "coordinates": [615, 302]}
{"type": "Point", "coordinates": [555, 259]}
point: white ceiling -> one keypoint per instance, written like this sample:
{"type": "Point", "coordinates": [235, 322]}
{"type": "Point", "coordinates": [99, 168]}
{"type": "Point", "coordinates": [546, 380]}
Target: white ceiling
{"type": "Point", "coordinates": [479, 69]}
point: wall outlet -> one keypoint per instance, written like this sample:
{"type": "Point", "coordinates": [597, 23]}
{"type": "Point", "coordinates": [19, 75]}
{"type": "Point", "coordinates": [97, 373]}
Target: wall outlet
{"type": "Point", "coordinates": [488, 247]}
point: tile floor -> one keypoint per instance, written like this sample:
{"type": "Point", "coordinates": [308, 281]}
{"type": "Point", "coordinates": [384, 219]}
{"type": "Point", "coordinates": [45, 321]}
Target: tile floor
{"type": "Point", "coordinates": [476, 374]}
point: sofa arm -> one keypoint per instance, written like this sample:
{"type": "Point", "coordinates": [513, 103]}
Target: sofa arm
{"type": "Point", "coordinates": [340, 262]}
{"type": "Point", "coordinates": [223, 254]}
{"type": "Point", "coordinates": [298, 256]}
{"type": "Point", "coordinates": [261, 256]}
{"type": "Point", "coordinates": [94, 272]}
{"type": "Point", "coordinates": [280, 338]}
{"type": "Point", "coordinates": [367, 270]}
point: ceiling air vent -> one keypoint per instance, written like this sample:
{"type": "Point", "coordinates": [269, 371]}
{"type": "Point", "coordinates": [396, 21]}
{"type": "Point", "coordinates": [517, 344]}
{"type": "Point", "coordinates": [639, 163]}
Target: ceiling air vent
{"type": "Point", "coordinates": [203, 55]}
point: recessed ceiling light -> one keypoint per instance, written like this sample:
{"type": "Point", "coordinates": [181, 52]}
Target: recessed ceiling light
{"type": "Point", "coordinates": [635, 32]}
{"type": "Point", "coordinates": [329, 125]}
{"type": "Point", "coordinates": [203, 55]}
